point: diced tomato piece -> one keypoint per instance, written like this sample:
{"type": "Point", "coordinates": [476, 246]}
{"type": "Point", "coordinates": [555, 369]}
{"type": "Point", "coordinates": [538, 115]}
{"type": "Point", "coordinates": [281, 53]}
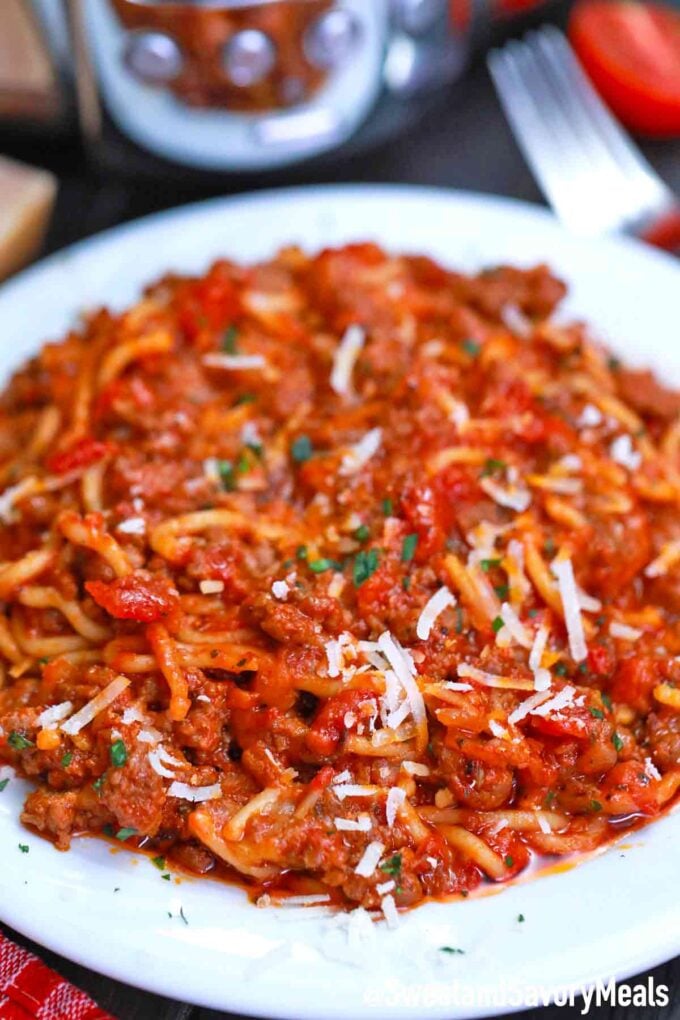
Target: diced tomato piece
{"type": "Point", "coordinates": [634, 681]}
{"type": "Point", "coordinates": [83, 453]}
{"type": "Point", "coordinates": [144, 599]}
{"type": "Point", "coordinates": [211, 303]}
{"type": "Point", "coordinates": [628, 788]}
{"type": "Point", "coordinates": [430, 518]}
{"type": "Point", "coordinates": [329, 723]}
{"type": "Point", "coordinates": [600, 660]}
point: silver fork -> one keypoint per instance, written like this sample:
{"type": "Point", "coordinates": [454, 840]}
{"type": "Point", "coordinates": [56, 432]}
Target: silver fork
{"type": "Point", "coordinates": [591, 172]}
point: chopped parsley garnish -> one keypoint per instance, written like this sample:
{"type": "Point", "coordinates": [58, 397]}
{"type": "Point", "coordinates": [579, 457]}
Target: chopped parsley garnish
{"type": "Point", "coordinates": [118, 753]}
{"type": "Point", "coordinates": [613, 364]}
{"type": "Point", "coordinates": [365, 564]}
{"type": "Point", "coordinates": [550, 797]}
{"type": "Point", "coordinates": [43, 661]}
{"type": "Point", "coordinates": [125, 833]}
{"type": "Point", "coordinates": [166, 877]}
{"type": "Point", "coordinates": [408, 547]}
{"type": "Point", "coordinates": [497, 624]}
{"type": "Point", "coordinates": [256, 448]}
{"type": "Point", "coordinates": [616, 741]}
{"type": "Point", "coordinates": [486, 565]}
{"type": "Point", "coordinates": [392, 866]}
{"type": "Point", "coordinates": [225, 469]}
{"type": "Point", "coordinates": [18, 741]}
{"type": "Point", "coordinates": [98, 783]}
{"type": "Point", "coordinates": [387, 507]}
{"type": "Point", "coordinates": [596, 713]}
{"type": "Point", "coordinates": [158, 862]}
{"type": "Point", "coordinates": [502, 590]}
{"type": "Point", "coordinates": [245, 398]}
{"type": "Point", "coordinates": [595, 806]}
{"type": "Point", "coordinates": [509, 861]}
{"type": "Point", "coordinates": [452, 950]}
{"type": "Point", "coordinates": [301, 552]}
{"type": "Point", "coordinates": [606, 701]}
{"type": "Point", "coordinates": [406, 583]}
{"type": "Point", "coordinates": [243, 464]}
{"type": "Point", "coordinates": [549, 546]}
{"type": "Point", "coordinates": [459, 619]}
{"type": "Point", "coordinates": [301, 450]}
{"type": "Point", "coordinates": [230, 340]}
{"type": "Point", "coordinates": [520, 918]}
{"type": "Point", "coordinates": [533, 613]}
{"type": "Point", "coordinates": [492, 466]}
{"type": "Point", "coordinates": [471, 347]}
{"type": "Point", "coordinates": [23, 847]}
{"type": "Point", "coordinates": [320, 566]}
{"type": "Point", "coordinates": [560, 669]}
{"type": "Point", "coordinates": [3, 783]}
{"type": "Point", "coordinates": [67, 759]}
{"type": "Point", "coordinates": [362, 533]}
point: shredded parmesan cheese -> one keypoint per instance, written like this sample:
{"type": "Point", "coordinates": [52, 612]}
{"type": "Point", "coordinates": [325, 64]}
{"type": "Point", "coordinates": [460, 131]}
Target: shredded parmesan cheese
{"type": "Point", "coordinates": [623, 631]}
{"type": "Point", "coordinates": [538, 647]}
{"type": "Point", "coordinates": [402, 663]}
{"type": "Point", "coordinates": [133, 526]}
{"type": "Point", "coordinates": [514, 626]}
{"type": "Point", "coordinates": [154, 757]}
{"type": "Point", "coordinates": [542, 704]}
{"type": "Point", "coordinates": [369, 859]}
{"type": "Point", "coordinates": [196, 794]}
{"type": "Point", "coordinates": [360, 824]}
{"type": "Point", "coordinates": [234, 362]}
{"type": "Point", "coordinates": [492, 679]}
{"type": "Point", "coordinates": [395, 798]}
{"type": "Point", "coordinates": [590, 417]}
{"type": "Point", "coordinates": [359, 454]}
{"type": "Point", "coordinates": [51, 716]}
{"type": "Point", "coordinates": [440, 601]}
{"type": "Point", "coordinates": [390, 913]}
{"type": "Point", "coordinates": [623, 452]}
{"type": "Point", "coordinates": [345, 357]}
{"type": "Point", "coordinates": [92, 709]}
{"type": "Point", "coordinates": [280, 590]}
{"type": "Point", "coordinates": [343, 790]}
{"type": "Point", "coordinates": [564, 572]}
{"type": "Point", "coordinates": [512, 497]}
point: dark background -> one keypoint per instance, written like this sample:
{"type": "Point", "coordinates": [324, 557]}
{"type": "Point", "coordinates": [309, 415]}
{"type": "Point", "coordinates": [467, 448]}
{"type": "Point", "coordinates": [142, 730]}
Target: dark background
{"type": "Point", "coordinates": [461, 141]}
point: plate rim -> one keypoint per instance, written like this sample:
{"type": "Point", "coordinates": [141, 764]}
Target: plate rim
{"type": "Point", "coordinates": [86, 954]}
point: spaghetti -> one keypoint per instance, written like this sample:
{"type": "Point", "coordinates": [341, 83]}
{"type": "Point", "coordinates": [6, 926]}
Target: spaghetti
{"type": "Point", "coordinates": [341, 574]}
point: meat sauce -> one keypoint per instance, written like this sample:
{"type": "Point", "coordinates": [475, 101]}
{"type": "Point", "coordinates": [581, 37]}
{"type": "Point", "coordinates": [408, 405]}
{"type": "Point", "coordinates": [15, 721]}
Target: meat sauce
{"type": "Point", "coordinates": [344, 574]}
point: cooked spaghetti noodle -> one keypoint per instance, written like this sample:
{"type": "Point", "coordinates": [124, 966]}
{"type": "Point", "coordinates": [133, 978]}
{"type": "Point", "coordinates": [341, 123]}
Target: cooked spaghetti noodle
{"type": "Point", "coordinates": [345, 574]}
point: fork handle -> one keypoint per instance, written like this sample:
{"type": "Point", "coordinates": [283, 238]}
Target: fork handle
{"type": "Point", "coordinates": [664, 232]}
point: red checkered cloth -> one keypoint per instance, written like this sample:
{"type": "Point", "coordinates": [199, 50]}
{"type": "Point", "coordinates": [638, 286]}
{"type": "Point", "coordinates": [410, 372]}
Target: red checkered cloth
{"type": "Point", "coordinates": [29, 990]}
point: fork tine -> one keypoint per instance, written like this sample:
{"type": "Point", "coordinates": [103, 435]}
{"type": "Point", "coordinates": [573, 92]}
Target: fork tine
{"type": "Point", "coordinates": [606, 194]}
{"type": "Point", "coordinates": [533, 136]}
{"type": "Point", "coordinates": [595, 116]}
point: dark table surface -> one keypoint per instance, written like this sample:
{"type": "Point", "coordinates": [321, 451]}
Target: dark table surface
{"type": "Point", "coordinates": [463, 143]}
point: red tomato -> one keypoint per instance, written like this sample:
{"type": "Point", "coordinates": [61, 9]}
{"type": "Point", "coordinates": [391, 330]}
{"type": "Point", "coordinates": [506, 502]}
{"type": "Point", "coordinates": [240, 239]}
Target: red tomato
{"type": "Point", "coordinates": [83, 453]}
{"type": "Point", "coordinates": [144, 599]}
{"type": "Point", "coordinates": [328, 727]}
{"type": "Point", "coordinates": [631, 52]}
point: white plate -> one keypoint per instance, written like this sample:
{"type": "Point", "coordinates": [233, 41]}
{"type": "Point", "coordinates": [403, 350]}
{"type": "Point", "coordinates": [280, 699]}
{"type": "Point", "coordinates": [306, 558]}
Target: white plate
{"type": "Point", "coordinates": [616, 914]}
